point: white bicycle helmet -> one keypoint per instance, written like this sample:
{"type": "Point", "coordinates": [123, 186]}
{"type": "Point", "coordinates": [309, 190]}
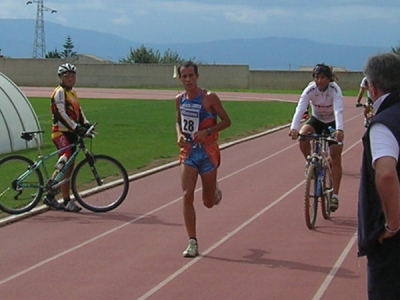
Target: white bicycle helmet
{"type": "Point", "coordinates": [64, 68]}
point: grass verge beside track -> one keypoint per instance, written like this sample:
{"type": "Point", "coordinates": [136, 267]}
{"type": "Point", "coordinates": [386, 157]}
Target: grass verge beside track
{"type": "Point", "coordinates": [141, 133]}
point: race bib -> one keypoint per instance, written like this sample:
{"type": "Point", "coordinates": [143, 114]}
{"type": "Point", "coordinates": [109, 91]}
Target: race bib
{"type": "Point", "coordinates": [190, 120]}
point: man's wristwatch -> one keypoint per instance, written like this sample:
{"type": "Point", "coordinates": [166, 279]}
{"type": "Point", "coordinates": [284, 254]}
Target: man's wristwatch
{"type": "Point", "coordinates": [209, 131]}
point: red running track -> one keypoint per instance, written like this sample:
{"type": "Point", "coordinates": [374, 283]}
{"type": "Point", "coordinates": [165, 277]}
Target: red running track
{"type": "Point", "coordinates": [254, 245]}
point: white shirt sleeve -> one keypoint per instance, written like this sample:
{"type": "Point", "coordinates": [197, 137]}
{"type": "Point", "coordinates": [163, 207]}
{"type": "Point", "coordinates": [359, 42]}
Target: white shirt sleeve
{"type": "Point", "coordinates": [364, 83]}
{"type": "Point", "coordinates": [338, 108]}
{"type": "Point", "coordinates": [302, 105]}
{"type": "Point", "coordinates": [383, 143]}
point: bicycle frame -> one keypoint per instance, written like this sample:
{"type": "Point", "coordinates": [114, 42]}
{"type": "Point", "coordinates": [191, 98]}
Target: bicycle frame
{"type": "Point", "coordinates": [98, 182]}
{"type": "Point", "coordinates": [318, 184]}
{"type": "Point", "coordinates": [319, 158]}
{"type": "Point", "coordinates": [41, 163]}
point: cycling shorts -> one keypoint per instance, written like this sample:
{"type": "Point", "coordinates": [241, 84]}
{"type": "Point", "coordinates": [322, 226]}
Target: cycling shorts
{"type": "Point", "coordinates": [64, 139]}
{"type": "Point", "coordinates": [321, 127]}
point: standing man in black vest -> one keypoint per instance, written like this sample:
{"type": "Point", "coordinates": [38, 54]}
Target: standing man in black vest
{"type": "Point", "coordinates": [379, 194]}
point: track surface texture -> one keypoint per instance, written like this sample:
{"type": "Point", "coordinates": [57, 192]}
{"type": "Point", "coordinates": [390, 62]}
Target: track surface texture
{"type": "Point", "coordinates": [254, 245]}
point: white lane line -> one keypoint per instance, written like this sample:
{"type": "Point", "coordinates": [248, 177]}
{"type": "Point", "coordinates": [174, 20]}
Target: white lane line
{"type": "Point", "coordinates": [220, 242]}
{"type": "Point", "coordinates": [326, 282]}
{"type": "Point", "coordinates": [27, 270]}
{"type": "Point", "coordinates": [335, 268]}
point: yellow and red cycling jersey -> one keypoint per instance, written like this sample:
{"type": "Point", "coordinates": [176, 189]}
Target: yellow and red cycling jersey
{"type": "Point", "coordinates": [66, 110]}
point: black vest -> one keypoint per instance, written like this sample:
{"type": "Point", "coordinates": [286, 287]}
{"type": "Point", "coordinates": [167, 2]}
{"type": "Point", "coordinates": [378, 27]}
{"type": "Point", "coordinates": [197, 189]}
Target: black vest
{"type": "Point", "coordinates": [371, 219]}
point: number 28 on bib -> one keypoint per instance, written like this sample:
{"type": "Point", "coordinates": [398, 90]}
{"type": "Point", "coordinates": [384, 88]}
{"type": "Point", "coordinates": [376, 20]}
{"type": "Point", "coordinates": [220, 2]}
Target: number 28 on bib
{"type": "Point", "coordinates": [190, 121]}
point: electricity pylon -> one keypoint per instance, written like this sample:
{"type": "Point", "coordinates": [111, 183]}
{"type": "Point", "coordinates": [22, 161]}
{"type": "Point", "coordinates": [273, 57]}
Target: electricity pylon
{"type": "Point", "coordinates": [39, 44]}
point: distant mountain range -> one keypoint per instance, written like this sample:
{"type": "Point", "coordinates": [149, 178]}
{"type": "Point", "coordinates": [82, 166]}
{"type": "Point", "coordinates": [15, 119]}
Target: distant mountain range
{"type": "Point", "coordinates": [273, 53]}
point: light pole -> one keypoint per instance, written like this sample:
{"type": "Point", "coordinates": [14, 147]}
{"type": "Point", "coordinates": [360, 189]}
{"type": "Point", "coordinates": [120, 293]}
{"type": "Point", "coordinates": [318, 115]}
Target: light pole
{"type": "Point", "coordinates": [39, 45]}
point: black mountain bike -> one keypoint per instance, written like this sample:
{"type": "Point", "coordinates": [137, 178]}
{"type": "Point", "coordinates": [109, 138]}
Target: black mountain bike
{"type": "Point", "coordinates": [318, 186]}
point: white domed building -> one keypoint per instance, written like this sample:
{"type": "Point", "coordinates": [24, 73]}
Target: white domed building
{"type": "Point", "coordinates": [16, 115]}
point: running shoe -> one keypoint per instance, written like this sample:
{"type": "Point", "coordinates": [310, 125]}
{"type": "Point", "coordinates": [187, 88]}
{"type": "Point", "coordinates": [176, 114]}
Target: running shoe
{"type": "Point", "coordinates": [334, 203]}
{"type": "Point", "coordinates": [192, 249]}
{"type": "Point", "coordinates": [52, 203]}
{"type": "Point", "coordinates": [72, 207]}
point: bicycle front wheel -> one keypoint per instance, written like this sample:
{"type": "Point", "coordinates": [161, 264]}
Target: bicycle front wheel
{"type": "Point", "coordinates": [100, 183]}
{"type": "Point", "coordinates": [21, 187]}
{"type": "Point", "coordinates": [328, 192]}
{"type": "Point", "coordinates": [311, 196]}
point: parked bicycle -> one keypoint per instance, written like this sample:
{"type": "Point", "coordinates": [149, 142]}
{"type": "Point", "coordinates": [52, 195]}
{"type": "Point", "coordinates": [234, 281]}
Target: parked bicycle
{"type": "Point", "coordinates": [99, 182]}
{"type": "Point", "coordinates": [318, 186]}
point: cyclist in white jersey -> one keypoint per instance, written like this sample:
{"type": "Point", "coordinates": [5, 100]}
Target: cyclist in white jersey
{"type": "Point", "coordinates": [326, 100]}
{"type": "Point", "coordinates": [363, 87]}
{"type": "Point", "coordinates": [368, 111]}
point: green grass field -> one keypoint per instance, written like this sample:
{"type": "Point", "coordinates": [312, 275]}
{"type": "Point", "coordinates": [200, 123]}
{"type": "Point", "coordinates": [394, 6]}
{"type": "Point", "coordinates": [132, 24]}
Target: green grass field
{"type": "Point", "coordinates": [141, 133]}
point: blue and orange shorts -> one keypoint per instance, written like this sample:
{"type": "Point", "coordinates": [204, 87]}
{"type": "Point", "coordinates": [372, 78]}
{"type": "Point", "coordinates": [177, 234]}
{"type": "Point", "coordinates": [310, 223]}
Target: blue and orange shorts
{"type": "Point", "coordinates": [202, 157]}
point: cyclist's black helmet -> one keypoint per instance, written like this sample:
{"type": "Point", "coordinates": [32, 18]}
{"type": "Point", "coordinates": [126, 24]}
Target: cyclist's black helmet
{"type": "Point", "coordinates": [323, 69]}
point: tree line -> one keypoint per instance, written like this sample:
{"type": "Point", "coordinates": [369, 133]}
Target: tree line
{"type": "Point", "coordinates": [141, 55]}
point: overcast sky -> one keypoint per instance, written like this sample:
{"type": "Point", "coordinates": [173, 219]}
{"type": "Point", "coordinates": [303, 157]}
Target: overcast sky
{"type": "Point", "coordinates": [351, 22]}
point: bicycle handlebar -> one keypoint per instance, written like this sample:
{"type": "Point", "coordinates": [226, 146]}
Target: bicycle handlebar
{"type": "Point", "coordinates": [364, 105]}
{"type": "Point", "coordinates": [316, 136]}
{"type": "Point", "coordinates": [90, 133]}
{"type": "Point", "coordinates": [323, 136]}
{"type": "Point", "coordinates": [30, 135]}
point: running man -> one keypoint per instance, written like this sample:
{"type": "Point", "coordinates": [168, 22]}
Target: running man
{"type": "Point", "coordinates": [197, 128]}
{"type": "Point", "coordinates": [326, 100]}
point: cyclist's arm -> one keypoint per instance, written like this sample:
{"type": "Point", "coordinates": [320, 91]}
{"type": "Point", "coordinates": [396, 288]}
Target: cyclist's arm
{"type": "Point", "coordinates": [338, 110]}
{"type": "Point", "coordinates": [360, 94]}
{"type": "Point", "coordinates": [83, 120]}
{"type": "Point", "coordinates": [301, 107]}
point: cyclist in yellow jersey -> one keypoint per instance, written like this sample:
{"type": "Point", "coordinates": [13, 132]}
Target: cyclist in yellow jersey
{"type": "Point", "coordinates": [69, 122]}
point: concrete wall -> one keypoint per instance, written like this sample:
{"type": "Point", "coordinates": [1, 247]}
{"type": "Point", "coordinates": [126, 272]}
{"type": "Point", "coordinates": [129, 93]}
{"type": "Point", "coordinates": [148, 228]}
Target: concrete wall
{"type": "Point", "coordinates": [297, 80]}
{"type": "Point", "coordinates": [92, 73]}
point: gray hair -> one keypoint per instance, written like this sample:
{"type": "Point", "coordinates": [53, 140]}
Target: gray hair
{"type": "Point", "coordinates": [383, 71]}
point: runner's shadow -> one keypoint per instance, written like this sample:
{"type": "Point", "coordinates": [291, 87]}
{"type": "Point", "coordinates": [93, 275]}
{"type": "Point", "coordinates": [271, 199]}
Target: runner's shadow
{"type": "Point", "coordinates": [86, 217]}
{"type": "Point", "coordinates": [258, 257]}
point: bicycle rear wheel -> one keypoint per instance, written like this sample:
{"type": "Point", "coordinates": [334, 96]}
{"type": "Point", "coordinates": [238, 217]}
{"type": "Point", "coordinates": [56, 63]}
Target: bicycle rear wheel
{"type": "Point", "coordinates": [311, 197]}
{"type": "Point", "coordinates": [328, 192]}
{"type": "Point", "coordinates": [100, 184]}
{"type": "Point", "coordinates": [20, 188]}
